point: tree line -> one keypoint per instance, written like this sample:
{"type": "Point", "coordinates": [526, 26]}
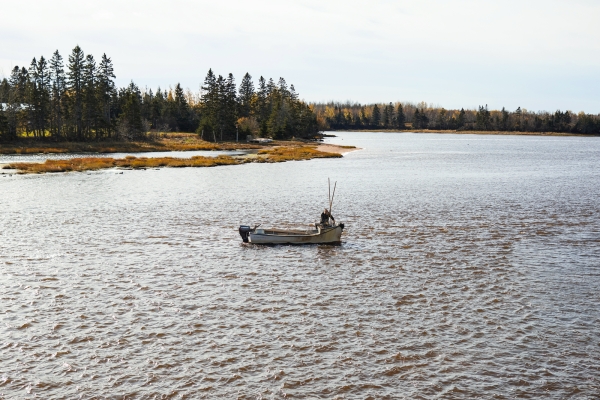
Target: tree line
{"type": "Point", "coordinates": [80, 101]}
{"type": "Point", "coordinates": [423, 116]}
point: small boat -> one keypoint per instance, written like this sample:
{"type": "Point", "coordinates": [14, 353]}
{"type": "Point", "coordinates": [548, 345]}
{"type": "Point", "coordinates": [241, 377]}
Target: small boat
{"type": "Point", "coordinates": [328, 231]}
{"type": "Point", "coordinates": [319, 234]}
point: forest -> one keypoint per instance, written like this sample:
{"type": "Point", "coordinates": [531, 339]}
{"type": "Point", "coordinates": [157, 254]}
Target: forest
{"type": "Point", "coordinates": [80, 102]}
{"type": "Point", "coordinates": [354, 116]}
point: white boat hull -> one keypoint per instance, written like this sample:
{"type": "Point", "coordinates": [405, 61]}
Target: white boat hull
{"type": "Point", "coordinates": [329, 234]}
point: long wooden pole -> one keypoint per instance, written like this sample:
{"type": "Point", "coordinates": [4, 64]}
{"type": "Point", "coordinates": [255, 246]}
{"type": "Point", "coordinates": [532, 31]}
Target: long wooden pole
{"type": "Point", "coordinates": [331, 202]}
{"type": "Point", "coordinates": [329, 196]}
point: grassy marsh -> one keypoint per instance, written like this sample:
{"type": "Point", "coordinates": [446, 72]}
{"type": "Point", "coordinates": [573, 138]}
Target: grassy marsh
{"type": "Point", "coordinates": [163, 142]}
{"type": "Point", "coordinates": [274, 155]}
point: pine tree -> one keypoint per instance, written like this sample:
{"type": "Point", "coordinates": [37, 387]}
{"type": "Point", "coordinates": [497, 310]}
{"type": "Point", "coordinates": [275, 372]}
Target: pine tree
{"type": "Point", "coordinates": [58, 89]}
{"type": "Point", "coordinates": [130, 126]}
{"type": "Point", "coordinates": [417, 119]}
{"type": "Point", "coordinates": [231, 106]}
{"type": "Point", "coordinates": [293, 94]}
{"type": "Point", "coordinates": [246, 96]}
{"type": "Point", "coordinates": [386, 117]}
{"type": "Point", "coordinates": [210, 101]}
{"type": "Point", "coordinates": [461, 118]}
{"type": "Point", "coordinates": [39, 104]}
{"type": "Point", "coordinates": [482, 119]}
{"type": "Point", "coordinates": [262, 105]}
{"type": "Point", "coordinates": [271, 87]}
{"type": "Point", "coordinates": [400, 117]}
{"type": "Point", "coordinates": [182, 111]}
{"type": "Point", "coordinates": [106, 92]}
{"type": "Point", "coordinates": [13, 106]}
{"type": "Point", "coordinates": [279, 124]}
{"type": "Point", "coordinates": [283, 89]}
{"type": "Point", "coordinates": [441, 119]}
{"type": "Point", "coordinates": [4, 90]}
{"type": "Point", "coordinates": [504, 120]}
{"type": "Point", "coordinates": [518, 118]}
{"type": "Point", "coordinates": [158, 105]}
{"type": "Point", "coordinates": [376, 116]}
{"type": "Point", "coordinates": [391, 118]}
{"type": "Point", "coordinates": [75, 86]}
{"type": "Point", "coordinates": [3, 124]}
{"type": "Point", "coordinates": [420, 119]}
{"type": "Point", "coordinates": [90, 104]}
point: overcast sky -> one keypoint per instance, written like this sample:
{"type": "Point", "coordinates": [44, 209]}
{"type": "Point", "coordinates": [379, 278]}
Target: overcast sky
{"type": "Point", "coordinates": [540, 55]}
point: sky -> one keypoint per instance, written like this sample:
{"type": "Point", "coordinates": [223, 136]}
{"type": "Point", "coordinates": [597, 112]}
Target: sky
{"type": "Point", "coordinates": [538, 55]}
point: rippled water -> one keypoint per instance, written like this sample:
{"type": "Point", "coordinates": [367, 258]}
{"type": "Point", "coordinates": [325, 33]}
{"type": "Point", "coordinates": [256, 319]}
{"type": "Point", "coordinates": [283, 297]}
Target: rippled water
{"type": "Point", "coordinates": [469, 268]}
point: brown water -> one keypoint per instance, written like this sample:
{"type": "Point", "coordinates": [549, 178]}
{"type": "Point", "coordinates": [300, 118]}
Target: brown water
{"type": "Point", "coordinates": [469, 268]}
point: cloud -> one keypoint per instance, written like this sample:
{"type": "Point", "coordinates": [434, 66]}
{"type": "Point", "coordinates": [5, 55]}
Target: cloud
{"type": "Point", "coordinates": [546, 53]}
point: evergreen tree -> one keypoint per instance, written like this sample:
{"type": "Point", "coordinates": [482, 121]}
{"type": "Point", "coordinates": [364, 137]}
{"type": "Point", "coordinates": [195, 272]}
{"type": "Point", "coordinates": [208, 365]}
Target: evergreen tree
{"type": "Point", "coordinates": [386, 117]}
{"type": "Point", "coordinates": [293, 94]}
{"type": "Point", "coordinates": [130, 126]}
{"type": "Point", "coordinates": [271, 87]}
{"type": "Point", "coordinates": [231, 106]}
{"type": "Point", "coordinates": [106, 92]}
{"type": "Point", "coordinates": [441, 119]}
{"type": "Point", "coordinates": [13, 106]}
{"type": "Point", "coordinates": [482, 120]}
{"type": "Point", "coordinates": [461, 118]}
{"type": "Point", "coordinates": [391, 117]}
{"type": "Point", "coordinates": [90, 104]}
{"type": "Point", "coordinates": [39, 102]}
{"type": "Point", "coordinates": [279, 124]}
{"type": "Point", "coordinates": [400, 117]}
{"type": "Point", "coordinates": [283, 89]}
{"type": "Point", "coordinates": [246, 96]}
{"type": "Point", "coordinates": [75, 85]}
{"type": "Point", "coordinates": [376, 116]}
{"type": "Point", "coordinates": [210, 101]}
{"type": "Point", "coordinates": [58, 98]}
{"type": "Point", "coordinates": [518, 118]}
{"type": "Point", "coordinates": [420, 120]}
{"type": "Point", "coordinates": [4, 90]}
{"type": "Point", "coordinates": [263, 108]}
{"type": "Point", "coordinates": [3, 124]}
{"type": "Point", "coordinates": [182, 110]}
{"type": "Point", "coordinates": [158, 105]}
{"type": "Point", "coordinates": [504, 120]}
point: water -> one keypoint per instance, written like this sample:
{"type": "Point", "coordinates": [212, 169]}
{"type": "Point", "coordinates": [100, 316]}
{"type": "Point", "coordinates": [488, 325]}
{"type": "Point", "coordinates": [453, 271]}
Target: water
{"type": "Point", "coordinates": [469, 269]}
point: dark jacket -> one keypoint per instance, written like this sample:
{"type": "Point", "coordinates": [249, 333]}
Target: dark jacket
{"type": "Point", "coordinates": [325, 218]}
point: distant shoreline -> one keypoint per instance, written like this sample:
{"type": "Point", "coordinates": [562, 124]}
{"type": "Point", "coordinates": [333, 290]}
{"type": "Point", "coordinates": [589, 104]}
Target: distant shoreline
{"type": "Point", "coordinates": [507, 133]}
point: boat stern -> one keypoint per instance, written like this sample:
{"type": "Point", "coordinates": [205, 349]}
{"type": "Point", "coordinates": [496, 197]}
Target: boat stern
{"type": "Point", "coordinates": [245, 231]}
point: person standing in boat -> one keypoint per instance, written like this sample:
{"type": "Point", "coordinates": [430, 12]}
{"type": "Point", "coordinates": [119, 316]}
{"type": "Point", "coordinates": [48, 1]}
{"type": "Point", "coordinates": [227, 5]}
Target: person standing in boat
{"type": "Point", "coordinates": [325, 216]}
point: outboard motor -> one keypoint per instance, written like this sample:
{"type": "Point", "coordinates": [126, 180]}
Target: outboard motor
{"type": "Point", "coordinates": [342, 225]}
{"type": "Point", "coordinates": [245, 232]}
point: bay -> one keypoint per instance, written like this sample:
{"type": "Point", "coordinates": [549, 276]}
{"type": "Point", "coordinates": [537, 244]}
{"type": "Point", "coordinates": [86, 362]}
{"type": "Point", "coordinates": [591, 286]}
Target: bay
{"type": "Point", "coordinates": [468, 268]}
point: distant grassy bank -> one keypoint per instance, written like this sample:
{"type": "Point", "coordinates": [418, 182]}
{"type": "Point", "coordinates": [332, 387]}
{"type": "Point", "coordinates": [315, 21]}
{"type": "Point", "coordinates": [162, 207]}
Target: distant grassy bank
{"type": "Point", "coordinates": [162, 142]}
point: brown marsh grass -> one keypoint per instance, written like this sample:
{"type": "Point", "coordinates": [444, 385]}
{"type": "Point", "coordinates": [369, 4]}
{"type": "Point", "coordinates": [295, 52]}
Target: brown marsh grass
{"type": "Point", "coordinates": [165, 142]}
{"type": "Point", "coordinates": [282, 154]}
{"type": "Point", "coordinates": [96, 163]}
{"type": "Point", "coordinates": [279, 154]}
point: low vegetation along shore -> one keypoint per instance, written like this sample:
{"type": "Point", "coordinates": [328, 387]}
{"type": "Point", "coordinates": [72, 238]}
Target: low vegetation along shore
{"type": "Point", "coordinates": [472, 132]}
{"type": "Point", "coordinates": [291, 151]}
{"type": "Point", "coordinates": [161, 142]}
